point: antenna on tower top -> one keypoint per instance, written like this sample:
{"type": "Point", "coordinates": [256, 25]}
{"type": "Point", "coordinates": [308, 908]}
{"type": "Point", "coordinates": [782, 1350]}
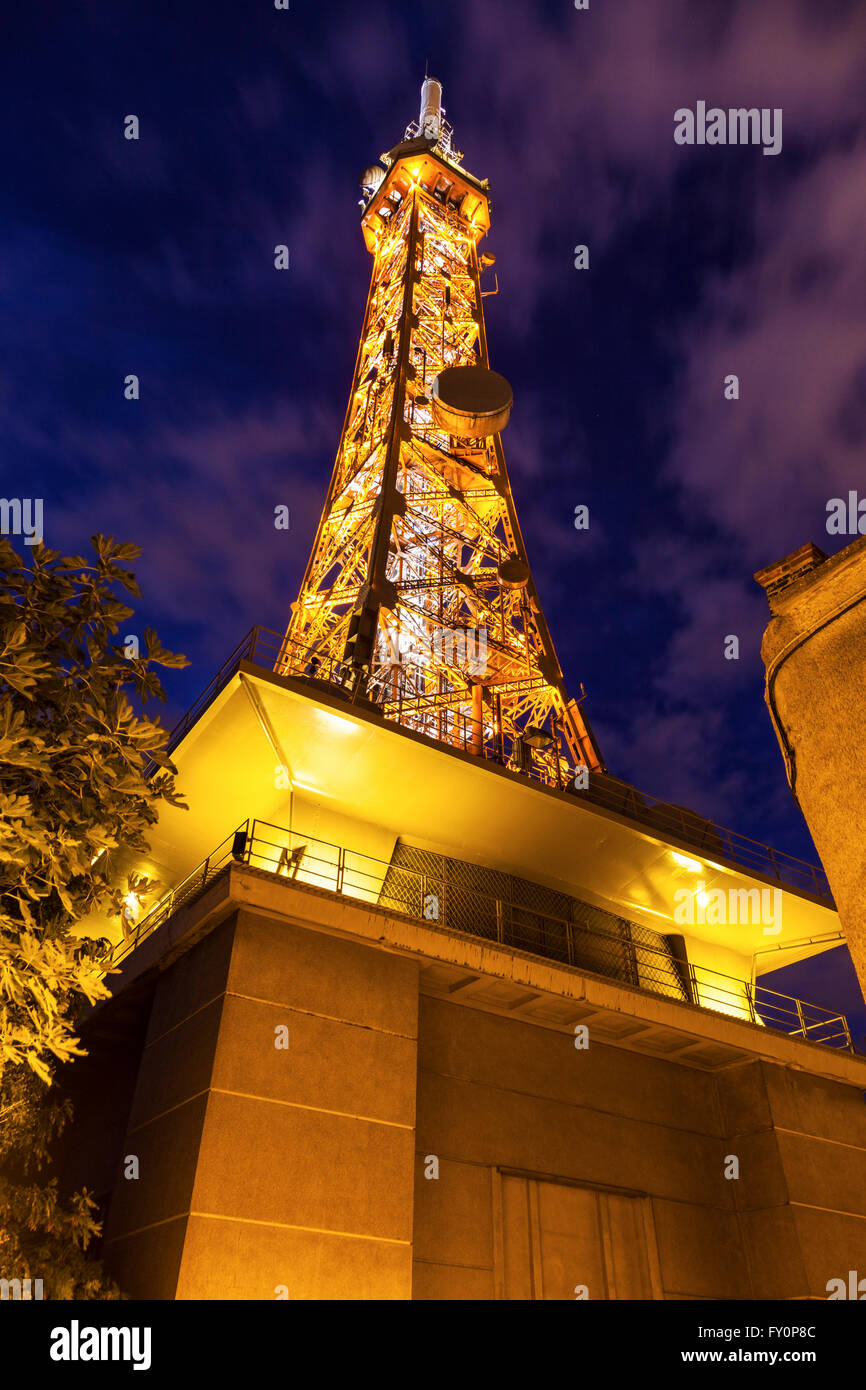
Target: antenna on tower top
{"type": "Point", "coordinates": [430, 118]}
{"type": "Point", "coordinates": [431, 124]}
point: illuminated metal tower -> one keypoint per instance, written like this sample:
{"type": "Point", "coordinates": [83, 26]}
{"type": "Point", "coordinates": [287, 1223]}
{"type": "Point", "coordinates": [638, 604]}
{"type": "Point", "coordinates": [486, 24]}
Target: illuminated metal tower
{"type": "Point", "coordinates": [418, 597]}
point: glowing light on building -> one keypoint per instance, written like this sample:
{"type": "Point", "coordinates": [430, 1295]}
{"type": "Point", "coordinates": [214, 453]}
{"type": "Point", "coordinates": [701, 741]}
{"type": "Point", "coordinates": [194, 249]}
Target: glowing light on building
{"type": "Point", "coordinates": [131, 908]}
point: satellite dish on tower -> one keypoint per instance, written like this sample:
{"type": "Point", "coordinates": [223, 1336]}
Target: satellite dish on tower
{"type": "Point", "coordinates": [471, 402]}
{"type": "Point", "coordinates": [513, 573]}
{"type": "Point", "coordinates": [371, 179]}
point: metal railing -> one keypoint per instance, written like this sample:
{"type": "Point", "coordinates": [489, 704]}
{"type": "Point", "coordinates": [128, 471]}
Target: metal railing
{"type": "Point", "coordinates": [188, 888]}
{"type": "Point", "coordinates": [455, 729]}
{"type": "Point", "coordinates": [619, 951]}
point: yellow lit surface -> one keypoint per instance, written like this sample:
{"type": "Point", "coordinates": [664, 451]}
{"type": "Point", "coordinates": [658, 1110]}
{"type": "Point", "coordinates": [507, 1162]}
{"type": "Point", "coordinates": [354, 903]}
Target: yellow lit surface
{"type": "Point", "coordinates": [364, 787]}
{"type": "Point", "coordinates": [336, 725]}
{"type": "Point", "coordinates": [693, 866]}
{"type": "Point", "coordinates": [715, 958]}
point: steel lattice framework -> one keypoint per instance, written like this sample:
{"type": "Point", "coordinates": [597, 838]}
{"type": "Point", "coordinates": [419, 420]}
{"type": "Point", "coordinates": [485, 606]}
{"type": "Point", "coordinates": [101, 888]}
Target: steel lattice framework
{"type": "Point", "coordinates": [405, 603]}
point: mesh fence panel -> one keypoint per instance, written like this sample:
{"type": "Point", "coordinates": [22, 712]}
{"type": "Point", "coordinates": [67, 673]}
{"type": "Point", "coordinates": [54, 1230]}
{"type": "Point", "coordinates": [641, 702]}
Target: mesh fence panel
{"type": "Point", "coordinates": [530, 917]}
{"type": "Point", "coordinates": [657, 967]}
{"type": "Point", "coordinates": [402, 892]}
{"type": "Point", "coordinates": [532, 931]}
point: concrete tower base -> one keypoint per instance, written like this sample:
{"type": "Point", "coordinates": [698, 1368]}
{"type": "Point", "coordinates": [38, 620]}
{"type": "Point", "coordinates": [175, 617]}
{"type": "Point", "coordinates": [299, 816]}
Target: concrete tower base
{"type": "Point", "coordinates": [432, 1130]}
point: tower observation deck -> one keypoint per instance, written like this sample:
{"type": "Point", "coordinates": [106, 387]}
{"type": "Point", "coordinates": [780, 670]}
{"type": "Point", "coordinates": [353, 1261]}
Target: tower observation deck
{"type": "Point", "coordinates": [418, 598]}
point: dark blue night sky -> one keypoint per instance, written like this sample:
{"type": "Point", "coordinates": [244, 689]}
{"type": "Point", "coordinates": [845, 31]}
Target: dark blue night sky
{"type": "Point", "coordinates": [156, 257]}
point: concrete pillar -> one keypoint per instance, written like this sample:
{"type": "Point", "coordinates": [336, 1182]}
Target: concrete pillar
{"type": "Point", "coordinates": [814, 652]}
{"type": "Point", "coordinates": [273, 1123]}
{"type": "Point", "coordinates": [801, 1193]}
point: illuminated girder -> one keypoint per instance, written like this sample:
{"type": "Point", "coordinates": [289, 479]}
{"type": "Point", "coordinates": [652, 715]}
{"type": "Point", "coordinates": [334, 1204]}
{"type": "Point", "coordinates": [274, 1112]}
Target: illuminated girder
{"type": "Point", "coordinates": [405, 602]}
